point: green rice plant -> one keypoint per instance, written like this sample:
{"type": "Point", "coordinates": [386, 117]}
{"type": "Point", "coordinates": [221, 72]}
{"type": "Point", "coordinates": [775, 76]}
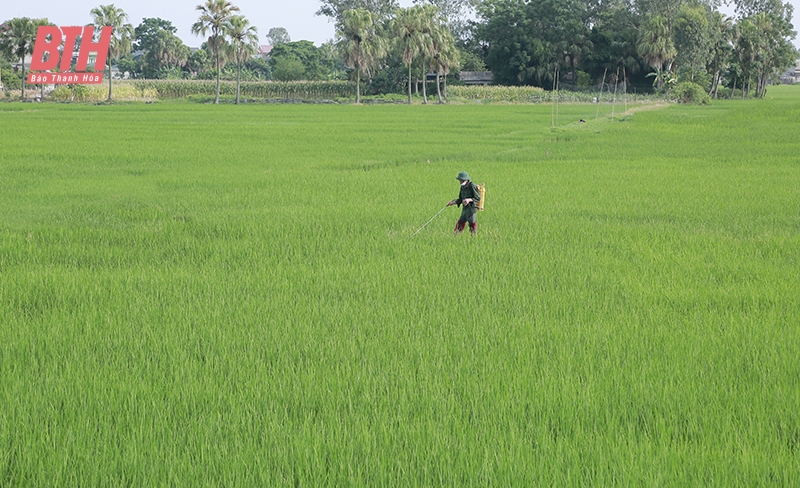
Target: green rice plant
{"type": "Point", "coordinates": [230, 296]}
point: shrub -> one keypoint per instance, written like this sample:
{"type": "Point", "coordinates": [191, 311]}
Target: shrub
{"type": "Point", "coordinates": [723, 92]}
{"type": "Point", "coordinates": [688, 92]}
{"type": "Point", "coordinates": [10, 79]}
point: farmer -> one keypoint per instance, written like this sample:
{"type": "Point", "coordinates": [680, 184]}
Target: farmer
{"type": "Point", "coordinates": [468, 196]}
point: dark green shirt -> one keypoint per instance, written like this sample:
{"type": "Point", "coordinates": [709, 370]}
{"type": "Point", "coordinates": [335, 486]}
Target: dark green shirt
{"type": "Point", "coordinates": [470, 190]}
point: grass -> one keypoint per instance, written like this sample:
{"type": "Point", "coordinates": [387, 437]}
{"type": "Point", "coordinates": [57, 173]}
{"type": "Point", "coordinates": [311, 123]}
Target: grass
{"type": "Point", "coordinates": [215, 295]}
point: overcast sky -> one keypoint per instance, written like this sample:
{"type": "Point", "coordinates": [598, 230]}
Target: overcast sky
{"type": "Point", "coordinates": [297, 16]}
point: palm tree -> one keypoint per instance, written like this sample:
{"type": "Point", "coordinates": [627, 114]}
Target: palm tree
{"type": "Point", "coordinates": [360, 43]}
{"type": "Point", "coordinates": [167, 49]}
{"type": "Point", "coordinates": [215, 17]}
{"type": "Point", "coordinates": [722, 35]}
{"type": "Point", "coordinates": [429, 21]}
{"type": "Point", "coordinates": [408, 27]}
{"type": "Point", "coordinates": [444, 54]}
{"type": "Point", "coordinates": [16, 41]}
{"type": "Point", "coordinates": [656, 46]}
{"type": "Point", "coordinates": [121, 36]}
{"type": "Point", "coordinates": [244, 43]}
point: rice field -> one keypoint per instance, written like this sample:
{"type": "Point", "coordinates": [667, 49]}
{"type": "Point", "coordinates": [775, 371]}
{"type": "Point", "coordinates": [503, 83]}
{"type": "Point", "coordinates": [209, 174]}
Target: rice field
{"type": "Point", "coordinates": [198, 295]}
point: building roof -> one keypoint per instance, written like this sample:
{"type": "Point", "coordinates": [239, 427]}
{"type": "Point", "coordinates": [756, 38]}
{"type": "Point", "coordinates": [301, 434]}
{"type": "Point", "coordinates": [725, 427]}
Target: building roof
{"type": "Point", "coordinates": [475, 77]}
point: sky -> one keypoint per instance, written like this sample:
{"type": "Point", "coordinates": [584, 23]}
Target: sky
{"type": "Point", "coordinates": [297, 16]}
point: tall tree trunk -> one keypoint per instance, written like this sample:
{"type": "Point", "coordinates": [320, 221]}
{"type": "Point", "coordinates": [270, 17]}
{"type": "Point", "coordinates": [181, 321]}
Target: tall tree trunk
{"type": "Point", "coordinates": [625, 85]}
{"type": "Point", "coordinates": [409, 83]}
{"type": "Point", "coordinates": [238, 80]}
{"type": "Point", "coordinates": [713, 85]}
{"type": "Point", "coordinates": [574, 74]}
{"type": "Point", "coordinates": [109, 78]}
{"type": "Point", "coordinates": [424, 84]}
{"type": "Point", "coordinates": [444, 86]}
{"type": "Point", "coordinates": [438, 90]}
{"type": "Point", "coordinates": [734, 88]}
{"type": "Point", "coordinates": [22, 63]}
{"type": "Point", "coordinates": [358, 85]}
{"type": "Point", "coordinates": [216, 55]}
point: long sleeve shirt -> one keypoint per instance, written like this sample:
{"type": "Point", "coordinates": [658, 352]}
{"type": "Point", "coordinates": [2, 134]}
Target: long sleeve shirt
{"type": "Point", "coordinates": [470, 190]}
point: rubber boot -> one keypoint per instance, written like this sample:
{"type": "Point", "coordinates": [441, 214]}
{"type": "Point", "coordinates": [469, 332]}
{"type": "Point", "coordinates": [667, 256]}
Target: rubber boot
{"type": "Point", "coordinates": [473, 228]}
{"type": "Point", "coordinates": [459, 228]}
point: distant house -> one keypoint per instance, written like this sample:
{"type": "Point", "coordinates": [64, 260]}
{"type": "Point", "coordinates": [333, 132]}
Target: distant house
{"type": "Point", "coordinates": [792, 75]}
{"type": "Point", "coordinates": [264, 50]}
{"type": "Point", "coordinates": [475, 77]}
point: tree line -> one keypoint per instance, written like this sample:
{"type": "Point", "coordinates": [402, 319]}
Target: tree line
{"type": "Point", "coordinates": [664, 40]}
{"type": "Point", "coordinates": [388, 49]}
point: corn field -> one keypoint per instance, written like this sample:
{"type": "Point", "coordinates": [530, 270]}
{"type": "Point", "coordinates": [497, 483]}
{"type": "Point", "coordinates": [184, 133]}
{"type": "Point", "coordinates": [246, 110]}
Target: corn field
{"type": "Point", "coordinates": [307, 90]}
{"type": "Point", "coordinates": [499, 93]}
{"type": "Point", "coordinates": [534, 94]}
{"type": "Point", "coordinates": [96, 93]}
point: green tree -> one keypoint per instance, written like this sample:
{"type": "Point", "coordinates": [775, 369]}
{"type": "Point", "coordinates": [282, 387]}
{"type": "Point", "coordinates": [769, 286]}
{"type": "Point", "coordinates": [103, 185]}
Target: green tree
{"type": "Point", "coordinates": [243, 44]}
{"type": "Point", "coordinates": [17, 37]}
{"type": "Point", "coordinates": [131, 65]}
{"type": "Point", "coordinates": [198, 61]}
{"type": "Point", "coordinates": [529, 42]}
{"type": "Point", "coordinates": [360, 43]}
{"type": "Point", "coordinates": [614, 33]}
{"type": "Point", "coordinates": [259, 67]}
{"type": "Point", "coordinates": [9, 78]}
{"type": "Point", "coordinates": [722, 36]}
{"type": "Point", "coordinates": [469, 60]}
{"type": "Point", "coordinates": [428, 23]}
{"type": "Point", "coordinates": [278, 35]}
{"type": "Point", "coordinates": [749, 8]}
{"type": "Point", "coordinates": [453, 12]}
{"type": "Point", "coordinates": [764, 48]}
{"type": "Point", "coordinates": [164, 52]}
{"type": "Point", "coordinates": [331, 61]}
{"type": "Point", "coordinates": [666, 9]}
{"type": "Point", "coordinates": [656, 46]}
{"type": "Point", "coordinates": [215, 18]}
{"type": "Point", "coordinates": [287, 69]}
{"type": "Point", "coordinates": [444, 55]}
{"type": "Point", "coordinates": [167, 54]}
{"type": "Point", "coordinates": [284, 59]}
{"type": "Point", "coordinates": [147, 31]}
{"type": "Point", "coordinates": [121, 36]}
{"type": "Point", "coordinates": [408, 27]}
{"type": "Point", "coordinates": [381, 10]}
{"type": "Point", "coordinates": [693, 42]}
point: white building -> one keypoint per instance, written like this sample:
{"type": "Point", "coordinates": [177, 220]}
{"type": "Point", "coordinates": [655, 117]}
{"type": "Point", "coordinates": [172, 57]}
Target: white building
{"type": "Point", "coordinates": [792, 75]}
